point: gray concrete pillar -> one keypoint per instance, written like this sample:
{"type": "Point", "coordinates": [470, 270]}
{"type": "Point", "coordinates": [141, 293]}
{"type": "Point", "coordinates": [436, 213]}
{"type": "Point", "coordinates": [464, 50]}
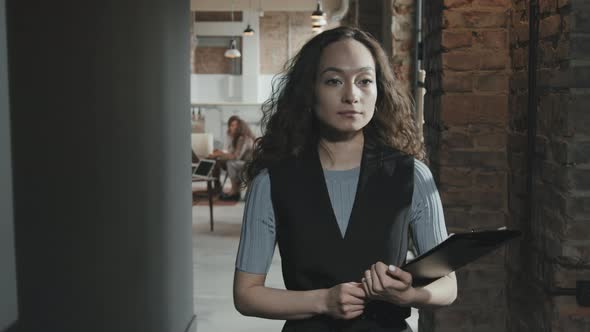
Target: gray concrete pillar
{"type": "Point", "coordinates": [8, 299]}
{"type": "Point", "coordinates": [101, 154]}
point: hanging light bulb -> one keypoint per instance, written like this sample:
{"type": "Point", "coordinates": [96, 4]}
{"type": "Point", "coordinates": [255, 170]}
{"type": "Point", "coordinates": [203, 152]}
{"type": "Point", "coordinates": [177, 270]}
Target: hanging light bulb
{"type": "Point", "coordinates": [316, 28]}
{"type": "Point", "coordinates": [318, 18]}
{"type": "Point", "coordinates": [318, 13]}
{"type": "Point", "coordinates": [249, 31]}
{"type": "Point", "coordinates": [319, 21]}
{"type": "Point", "coordinates": [232, 52]}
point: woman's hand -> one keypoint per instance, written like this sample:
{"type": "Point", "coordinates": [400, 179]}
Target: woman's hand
{"type": "Point", "coordinates": [344, 301]}
{"type": "Point", "coordinates": [218, 155]}
{"type": "Point", "coordinates": [389, 283]}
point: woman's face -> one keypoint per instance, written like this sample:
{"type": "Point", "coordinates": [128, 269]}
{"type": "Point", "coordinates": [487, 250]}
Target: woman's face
{"type": "Point", "coordinates": [233, 127]}
{"type": "Point", "coordinates": [346, 87]}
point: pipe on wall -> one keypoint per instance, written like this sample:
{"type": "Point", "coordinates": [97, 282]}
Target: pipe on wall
{"type": "Point", "coordinates": [532, 103]}
{"type": "Point", "coordinates": [418, 54]}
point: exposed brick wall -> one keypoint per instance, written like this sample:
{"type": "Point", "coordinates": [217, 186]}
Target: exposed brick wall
{"type": "Point", "coordinates": [273, 42]}
{"type": "Point", "coordinates": [370, 17]}
{"type": "Point", "coordinates": [218, 16]}
{"type": "Point", "coordinates": [403, 41]}
{"type": "Point", "coordinates": [210, 60]}
{"type": "Point", "coordinates": [556, 248]}
{"type": "Point", "coordinates": [275, 38]}
{"type": "Point", "coordinates": [396, 34]}
{"type": "Point", "coordinates": [466, 113]}
{"type": "Point", "coordinates": [524, 287]}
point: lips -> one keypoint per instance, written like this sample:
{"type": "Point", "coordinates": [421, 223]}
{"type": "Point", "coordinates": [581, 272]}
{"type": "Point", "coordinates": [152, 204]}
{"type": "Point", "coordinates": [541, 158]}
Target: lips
{"type": "Point", "coordinates": [348, 112]}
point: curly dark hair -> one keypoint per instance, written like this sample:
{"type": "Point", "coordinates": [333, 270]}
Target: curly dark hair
{"type": "Point", "coordinates": [289, 126]}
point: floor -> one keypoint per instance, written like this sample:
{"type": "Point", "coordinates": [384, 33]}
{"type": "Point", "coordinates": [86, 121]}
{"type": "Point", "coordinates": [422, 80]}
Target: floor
{"type": "Point", "coordinates": [214, 258]}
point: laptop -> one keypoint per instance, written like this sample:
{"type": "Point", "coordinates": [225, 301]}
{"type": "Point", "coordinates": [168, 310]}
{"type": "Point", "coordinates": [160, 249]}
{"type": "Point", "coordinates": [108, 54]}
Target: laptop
{"type": "Point", "coordinates": [203, 169]}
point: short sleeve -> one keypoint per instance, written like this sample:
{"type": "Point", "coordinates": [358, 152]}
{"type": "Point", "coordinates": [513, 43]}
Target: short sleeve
{"type": "Point", "coordinates": [244, 147]}
{"type": "Point", "coordinates": [257, 239]}
{"type": "Point", "coordinates": [426, 213]}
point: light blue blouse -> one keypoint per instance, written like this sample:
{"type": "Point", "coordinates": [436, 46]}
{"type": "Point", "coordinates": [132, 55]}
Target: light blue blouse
{"type": "Point", "coordinates": [258, 237]}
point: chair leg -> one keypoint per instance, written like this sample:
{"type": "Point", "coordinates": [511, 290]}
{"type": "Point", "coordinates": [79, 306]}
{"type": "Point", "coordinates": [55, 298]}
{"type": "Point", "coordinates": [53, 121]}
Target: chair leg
{"type": "Point", "coordinates": [210, 194]}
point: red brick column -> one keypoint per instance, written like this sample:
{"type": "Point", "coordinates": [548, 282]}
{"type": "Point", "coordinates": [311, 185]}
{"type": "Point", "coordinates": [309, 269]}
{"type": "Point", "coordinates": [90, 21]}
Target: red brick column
{"type": "Point", "coordinates": [403, 39]}
{"type": "Point", "coordinates": [556, 249]}
{"type": "Point", "coordinates": [466, 112]}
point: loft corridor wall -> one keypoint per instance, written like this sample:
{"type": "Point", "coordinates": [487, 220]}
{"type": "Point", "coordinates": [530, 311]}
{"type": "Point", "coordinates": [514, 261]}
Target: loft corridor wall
{"type": "Point", "coordinates": [101, 164]}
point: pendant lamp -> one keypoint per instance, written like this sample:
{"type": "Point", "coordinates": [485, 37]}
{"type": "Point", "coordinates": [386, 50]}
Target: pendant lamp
{"type": "Point", "coordinates": [318, 18]}
{"type": "Point", "coordinates": [249, 31]}
{"type": "Point", "coordinates": [233, 51]}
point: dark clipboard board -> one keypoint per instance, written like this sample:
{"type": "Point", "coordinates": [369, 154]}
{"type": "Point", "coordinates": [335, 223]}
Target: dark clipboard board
{"type": "Point", "coordinates": [456, 251]}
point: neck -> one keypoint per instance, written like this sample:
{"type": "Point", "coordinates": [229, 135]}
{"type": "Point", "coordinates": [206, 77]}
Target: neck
{"type": "Point", "coordinates": [343, 153]}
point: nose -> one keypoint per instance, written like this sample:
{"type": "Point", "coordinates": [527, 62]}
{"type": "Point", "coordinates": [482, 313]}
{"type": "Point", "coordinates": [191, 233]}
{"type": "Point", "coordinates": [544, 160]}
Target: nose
{"type": "Point", "coordinates": [350, 94]}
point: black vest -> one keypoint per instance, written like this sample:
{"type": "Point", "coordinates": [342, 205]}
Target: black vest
{"type": "Point", "coordinates": [313, 252]}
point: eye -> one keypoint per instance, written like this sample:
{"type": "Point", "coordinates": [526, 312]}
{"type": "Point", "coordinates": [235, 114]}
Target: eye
{"type": "Point", "coordinates": [365, 82]}
{"type": "Point", "coordinates": [333, 81]}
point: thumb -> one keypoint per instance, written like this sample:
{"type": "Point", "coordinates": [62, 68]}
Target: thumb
{"type": "Point", "coordinates": [391, 269]}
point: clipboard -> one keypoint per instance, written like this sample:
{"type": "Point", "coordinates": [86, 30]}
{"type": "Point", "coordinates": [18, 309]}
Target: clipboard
{"type": "Point", "coordinates": [456, 251]}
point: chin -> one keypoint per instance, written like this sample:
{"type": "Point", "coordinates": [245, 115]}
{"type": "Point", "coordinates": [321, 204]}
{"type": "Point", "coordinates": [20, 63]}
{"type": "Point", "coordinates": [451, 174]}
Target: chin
{"type": "Point", "coordinates": [351, 126]}
{"type": "Point", "coordinates": [347, 130]}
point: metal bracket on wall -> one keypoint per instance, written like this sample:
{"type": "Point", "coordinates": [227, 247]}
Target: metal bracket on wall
{"type": "Point", "coordinates": [581, 292]}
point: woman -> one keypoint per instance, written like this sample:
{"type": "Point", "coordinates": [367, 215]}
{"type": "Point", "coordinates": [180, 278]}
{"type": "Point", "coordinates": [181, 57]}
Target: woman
{"type": "Point", "coordinates": [233, 157]}
{"type": "Point", "coordinates": [336, 181]}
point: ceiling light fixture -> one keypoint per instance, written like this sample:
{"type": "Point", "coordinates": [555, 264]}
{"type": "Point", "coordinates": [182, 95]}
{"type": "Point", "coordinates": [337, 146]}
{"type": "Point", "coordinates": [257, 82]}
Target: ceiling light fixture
{"type": "Point", "coordinates": [318, 18]}
{"type": "Point", "coordinates": [233, 51]}
{"type": "Point", "coordinates": [249, 31]}
{"type": "Point", "coordinates": [318, 13]}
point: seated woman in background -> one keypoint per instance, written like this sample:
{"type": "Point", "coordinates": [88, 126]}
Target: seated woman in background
{"type": "Point", "coordinates": [233, 157]}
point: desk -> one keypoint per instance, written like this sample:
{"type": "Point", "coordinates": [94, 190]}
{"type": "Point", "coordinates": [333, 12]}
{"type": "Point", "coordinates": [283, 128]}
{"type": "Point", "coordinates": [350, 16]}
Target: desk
{"type": "Point", "coordinates": [209, 181]}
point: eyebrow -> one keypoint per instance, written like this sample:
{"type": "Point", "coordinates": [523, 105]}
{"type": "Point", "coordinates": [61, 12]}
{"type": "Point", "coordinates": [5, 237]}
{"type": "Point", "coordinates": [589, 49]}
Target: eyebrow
{"type": "Point", "coordinates": [339, 70]}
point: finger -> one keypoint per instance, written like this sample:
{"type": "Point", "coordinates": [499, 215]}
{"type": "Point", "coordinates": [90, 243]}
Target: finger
{"type": "Point", "coordinates": [400, 275]}
{"type": "Point", "coordinates": [377, 285]}
{"type": "Point", "coordinates": [369, 281]}
{"type": "Point", "coordinates": [381, 270]}
{"type": "Point", "coordinates": [355, 299]}
{"type": "Point", "coordinates": [396, 282]}
{"type": "Point", "coordinates": [356, 284]}
{"type": "Point", "coordinates": [366, 288]}
{"type": "Point", "coordinates": [356, 291]}
{"type": "Point", "coordinates": [381, 266]}
{"type": "Point", "coordinates": [353, 307]}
